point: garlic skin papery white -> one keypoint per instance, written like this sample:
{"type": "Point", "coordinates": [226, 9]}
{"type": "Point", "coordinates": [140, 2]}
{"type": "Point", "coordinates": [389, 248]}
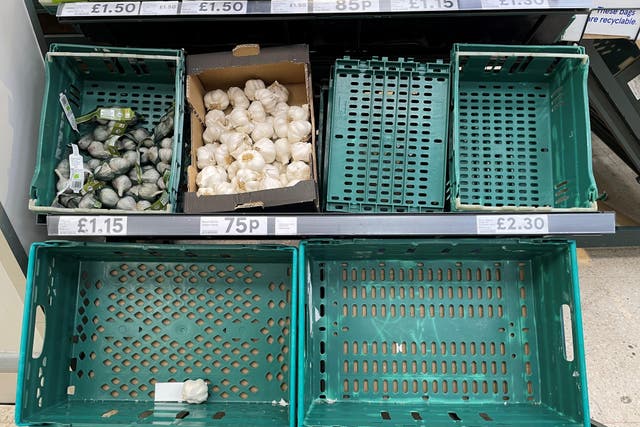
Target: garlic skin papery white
{"type": "Point", "coordinates": [216, 100]}
{"type": "Point", "coordinates": [298, 170]}
{"type": "Point", "coordinates": [298, 113]}
{"type": "Point", "coordinates": [205, 191]}
{"type": "Point", "coordinates": [206, 155]}
{"type": "Point", "coordinates": [239, 117]}
{"type": "Point", "coordinates": [213, 133]}
{"type": "Point", "coordinates": [251, 86]}
{"type": "Point", "coordinates": [232, 169]}
{"type": "Point", "coordinates": [280, 91]}
{"type": "Point", "coordinates": [269, 183]}
{"type": "Point", "coordinates": [210, 176]}
{"type": "Point", "coordinates": [281, 108]}
{"type": "Point", "coordinates": [301, 151]}
{"type": "Point", "coordinates": [237, 98]}
{"type": "Point", "coordinates": [235, 141]}
{"type": "Point", "coordinates": [283, 150]}
{"type": "Point", "coordinates": [261, 131]}
{"type": "Point", "coordinates": [256, 112]}
{"type": "Point", "coordinates": [267, 148]}
{"type": "Point", "coordinates": [268, 99]}
{"type": "Point", "coordinates": [246, 180]}
{"type": "Point", "coordinates": [271, 170]}
{"type": "Point", "coordinates": [299, 130]}
{"type": "Point", "coordinates": [281, 126]}
{"type": "Point", "coordinates": [224, 188]}
{"type": "Point", "coordinates": [215, 117]}
{"type": "Point", "coordinates": [251, 159]}
{"type": "Point", "coordinates": [195, 391]}
{"type": "Point", "coordinates": [222, 156]}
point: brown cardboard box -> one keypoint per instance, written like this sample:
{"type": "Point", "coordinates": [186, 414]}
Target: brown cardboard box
{"type": "Point", "coordinates": [288, 65]}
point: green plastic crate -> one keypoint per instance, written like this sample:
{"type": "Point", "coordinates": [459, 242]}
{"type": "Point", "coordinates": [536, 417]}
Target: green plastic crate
{"type": "Point", "coordinates": [440, 333]}
{"type": "Point", "coordinates": [521, 137]}
{"type": "Point", "coordinates": [387, 136]}
{"type": "Point", "coordinates": [148, 80]}
{"type": "Point", "coordinates": [120, 317]}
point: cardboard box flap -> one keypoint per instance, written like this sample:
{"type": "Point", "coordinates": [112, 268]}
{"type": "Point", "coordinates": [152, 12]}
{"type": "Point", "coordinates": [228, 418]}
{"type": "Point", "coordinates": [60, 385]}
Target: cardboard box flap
{"type": "Point", "coordinates": [294, 53]}
{"type": "Point", "coordinates": [195, 97]}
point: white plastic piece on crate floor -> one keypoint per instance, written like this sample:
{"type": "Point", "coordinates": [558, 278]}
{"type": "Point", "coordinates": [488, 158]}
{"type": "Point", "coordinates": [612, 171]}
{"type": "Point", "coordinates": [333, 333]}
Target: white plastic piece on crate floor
{"type": "Point", "coordinates": [282, 402]}
{"type": "Point", "coordinates": [168, 392]}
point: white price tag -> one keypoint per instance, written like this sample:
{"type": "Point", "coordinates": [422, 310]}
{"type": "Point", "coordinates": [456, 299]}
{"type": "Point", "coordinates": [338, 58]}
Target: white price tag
{"type": "Point", "coordinates": [515, 4]}
{"type": "Point", "coordinates": [289, 6]}
{"type": "Point", "coordinates": [124, 8]}
{"type": "Point", "coordinates": [634, 85]}
{"type": "Point", "coordinates": [92, 226]}
{"type": "Point", "coordinates": [346, 6]}
{"type": "Point", "coordinates": [512, 224]}
{"type": "Point", "coordinates": [235, 7]}
{"type": "Point", "coordinates": [168, 392]}
{"type": "Point", "coordinates": [233, 226]}
{"type": "Point", "coordinates": [423, 5]}
{"type": "Point", "coordinates": [159, 8]}
{"type": "Point", "coordinates": [287, 226]}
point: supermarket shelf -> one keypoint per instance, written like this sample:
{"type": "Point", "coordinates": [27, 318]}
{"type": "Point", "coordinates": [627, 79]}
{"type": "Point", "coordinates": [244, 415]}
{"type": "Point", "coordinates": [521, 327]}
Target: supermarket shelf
{"type": "Point", "coordinates": [253, 226]}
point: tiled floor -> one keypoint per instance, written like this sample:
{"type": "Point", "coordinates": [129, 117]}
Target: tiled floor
{"type": "Point", "coordinates": [610, 286]}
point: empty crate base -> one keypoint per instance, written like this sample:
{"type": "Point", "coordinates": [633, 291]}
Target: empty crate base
{"type": "Point", "coordinates": [436, 333]}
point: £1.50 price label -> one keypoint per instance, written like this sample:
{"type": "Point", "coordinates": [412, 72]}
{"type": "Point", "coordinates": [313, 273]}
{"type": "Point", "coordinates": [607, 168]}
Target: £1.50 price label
{"type": "Point", "coordinates": [237, 7]}
{"type": "Point", "coordinates": [233, 226]}
{"type": "Point", "coordinates": [346, 6]}
{"type": "Point", "coordinates": [125, 8]}
{"type": "Point", "coordinates": [92, 226]}
{"type": "Point", "coordinates": [512, 224]}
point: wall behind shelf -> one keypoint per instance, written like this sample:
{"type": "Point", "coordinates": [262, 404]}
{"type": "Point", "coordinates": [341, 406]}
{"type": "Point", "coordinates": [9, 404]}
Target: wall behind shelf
{"type": "Point", "coordinates": [21, 88]}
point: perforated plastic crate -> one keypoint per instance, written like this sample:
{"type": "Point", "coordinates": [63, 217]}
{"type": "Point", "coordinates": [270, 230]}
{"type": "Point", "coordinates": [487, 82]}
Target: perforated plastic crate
{"type": "Point", "coordinates": [149, 81]}
{"type": "Point", "coordinates": [521, 137]}
{"type": "Point", "coordinates": [387, 136]}
{"type": "Point", "coordinates": [440, 333]}
{"type": "Point", "coordinates": [121, 317]}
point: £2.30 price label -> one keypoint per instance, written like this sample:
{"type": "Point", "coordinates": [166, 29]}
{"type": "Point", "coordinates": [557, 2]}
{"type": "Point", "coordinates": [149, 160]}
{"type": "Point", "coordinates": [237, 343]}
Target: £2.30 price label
{"type": "Point", "coordinates": [92, 226]}
{"type": "Point", "coordinates": [512, 224]}
{"type": "Point", "coordinates": [233, 226]}
{"type": "Point", "coordinates": [346, 6]}
{"type": "Point", "coordinates": [237, 7]}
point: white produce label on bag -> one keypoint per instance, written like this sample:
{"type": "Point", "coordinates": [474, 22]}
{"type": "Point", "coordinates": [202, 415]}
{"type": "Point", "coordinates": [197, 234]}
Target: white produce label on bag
{"type": "Point", "coordinates": [76, 170]}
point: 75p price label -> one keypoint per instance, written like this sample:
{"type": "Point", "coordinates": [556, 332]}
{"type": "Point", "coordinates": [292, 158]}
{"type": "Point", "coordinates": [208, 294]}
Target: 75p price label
{"type": "Point", "coordinates": [233, 226]}
{"type": "Point", "coordinates": [346, 6]}
{"type": "Point", "coordinates": [125, 8]}
{"type": "Point", "coordinates": [92, 226]}
{"type": "Point", "coordinates": [237, 7]}
{"type": "Point", "coordinates": [512, 224]}
{"type": "Point", "coordinates": [423, 5]}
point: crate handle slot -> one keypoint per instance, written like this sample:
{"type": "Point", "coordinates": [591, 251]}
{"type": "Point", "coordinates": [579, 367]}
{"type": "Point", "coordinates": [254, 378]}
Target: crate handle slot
{"type": "Point", "coordinates": [581, 56]}
{"type": "Point", "coordinates": [38, 343]}
{"type": "Point", "coordinates": [567, 332]}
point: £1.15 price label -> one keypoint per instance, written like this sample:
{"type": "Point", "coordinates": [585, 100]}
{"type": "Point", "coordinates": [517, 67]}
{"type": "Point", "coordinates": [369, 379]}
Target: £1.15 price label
{"type": "Point", "coordinates": [125, 8]}
{"type": "Point", "coordinates": [92, 226]}
{"type": "Point", "coordinates": [233, 226]}
{"type": "Point", "coordinates": [512, 224]}
{"type": "Point", "coordinates": [423, 5]}
{"type": "Point", "coordinates": [346, 6]}
{"type": "Point", "coordinates": [237, 7]}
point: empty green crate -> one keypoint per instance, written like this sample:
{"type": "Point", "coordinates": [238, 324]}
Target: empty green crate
{"type": "Point", "coordinates": [521, 137]}
{"type": "Point", "coordinates": [440, 333]}
{"type": "Point", "coordinates": [121, 317]}
{"type": "Point", "coordinates": [149, 81]}
{"type": "Point", "coordinates": [387, 136]}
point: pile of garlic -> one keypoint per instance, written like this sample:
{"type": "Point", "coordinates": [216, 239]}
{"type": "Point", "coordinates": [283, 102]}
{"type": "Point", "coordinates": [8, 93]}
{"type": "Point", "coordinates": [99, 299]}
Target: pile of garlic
{"type": "Point", "coordinates": [260, 144]}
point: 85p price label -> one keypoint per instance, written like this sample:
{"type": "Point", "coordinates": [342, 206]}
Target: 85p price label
{"type": "Point", "coordinates": [512, 224]}
{"type": "Point", "coordinates": [346, 6]}
{"type": "Point", "coordinates": [238, 7]}
{"type": "Point", "coordinates": [423, 5]}
{"type": "Point", "coordinates": [92, 226]}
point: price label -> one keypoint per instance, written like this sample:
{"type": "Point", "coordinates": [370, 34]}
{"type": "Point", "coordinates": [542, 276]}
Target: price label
{"type": "Point", "coordinates": [286, 226]}
{"type": "Point", "coordinates": [512, 224]}
{"type": "Point", "coordinates": [125, 8]}
{"type": "Point", "coordinates": [423, 5]}
{"type": "Point", "coordinates": [289, 6]}
{"type": "Point", "coordinates": [238, 7]}
{"type": "Point", "coordinates": [92, 226]}
{"type": "Point", "coordinates": [233, 226]}
{"type": "Point", "coordinates": [159, 8]}
{"type": "Point", "coordinates": [515, 4]}
{"type": "Point", "coordinates": [346, 6]}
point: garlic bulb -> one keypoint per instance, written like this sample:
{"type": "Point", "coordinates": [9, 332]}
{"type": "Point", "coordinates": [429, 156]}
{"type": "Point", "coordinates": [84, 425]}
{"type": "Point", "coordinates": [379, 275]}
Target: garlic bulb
{"type": "Point", "coordinates": [133, 191]}
{"type": "Point", "coordinates": [148, 142]}
{"type": "Point", "coordinates": [168, 142]}
{"type": "Point", "coordinates": [152, 154]}
{"type": "Point", "coordinates": [237, 98]}
{"type": "Point", "coordinates": [84, 142]}
{"type": "Point", "coordinates": [131, 157]}
{"type": "Point", "coordinates": [133, 175]}
{"type": "Point", "coordinates": [140, 134]}
{"type": "Point", "coordinates": [261, 131]}
{"type": "Point", "coordinates": [205, 157]}
{"type": "Point", "coordinates": [298, 113]}
{"type": "Point", "coordinates": [101, 133]}
{"type": "Point", "coordinates": [268, 99]}
{"type": "Point", "coordinates": [224, 188]}
{"type": "Point", "coordinates": [210, 176]}
{"type": "Point", "coordinates": [195, 391]}
{"type": "Point", "coordinates": [108, 197]}
{"type": "Point", "coordinates": [283, 179]}
{"type": "Point", "coordinates": [281, 126]}
{"type": "Point", "coordinates": [271, 170]}
{"type": "Point", "coordinates": [293, 182]}
{"type": "Point", "coordinates": [216, 100]}
{"type": "Point", "coordinates": [143, 205]}
{"type": "Point", "coordinates": [205, 191]}
{"type": "Point", "coordinates": [96, 150]}
{"type": "Point", "coordinates": [160, 183]}
{"type": "Point", "coordinates": [269, 182]}
{"type": "Point", "coordinates": [121, 184]}
{"type": "Point", "coordinates": [127, 204]}
{"type": "Point", "coordinates": [63, 168]}
{"type": "Point", "coordinates": [281, 108]}
{"type": "Point", "coordinates": [234, 139]}
{"type": "Point", "coordinates": [119, 165]}
{"type": "Point", "coordinates": [283, 150]}
{"type": "Point", "coordinates": [239, 118]}
{"type": "Point", "coordinates": [251, 159]}
{"type": "Point", "coordinates": [89, 201]}
{"type": "Point", "coordinates": [256, 112]}
{"type": "Point", "coordinates": [162, 167]}
{"type": "Point", "coordinates": [280, 91]}
{"type": "Point", "coordinates": [301, 151]}
{"type": "Point", "coordinates": [125, 143]}
{"type": "Point", "coordinates": [164, 154]}
{"type": "Point", "coordinates": [213, 117]}
{"type": "Point", "coordinates": [93, 163]}
{"type": "Point", "coordinates": [150, 176]}
{"type": "Point", "coordinates": [244, 146]}
{"type": "Point", "coordinates": [149, 191]}
{"type": "Point", "coordinates": [222, 156]}
{"type": "Point", "coordinates": [104, 173]}
{"type": "Point", "coordinates": [251, 86]}
{"type": "Point", "coordinates": [267, 148]}
{"type": "Point", "coordinates": [282, 167]}
{"type": "Point", "coordinates": [299, 130]}
{"type": "Point", "coordinates": [246, 180]}
{"type": "Point", "coordinates": [298, 170]}
{"type": "Point", "coordinates": [232, 169]}
{"type": "Point", "coordinates": [212, 133]}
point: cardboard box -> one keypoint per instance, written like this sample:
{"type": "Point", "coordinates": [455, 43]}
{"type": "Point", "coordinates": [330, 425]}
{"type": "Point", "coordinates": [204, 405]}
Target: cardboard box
{"type": "Point", "coordinates": [289, 65]}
